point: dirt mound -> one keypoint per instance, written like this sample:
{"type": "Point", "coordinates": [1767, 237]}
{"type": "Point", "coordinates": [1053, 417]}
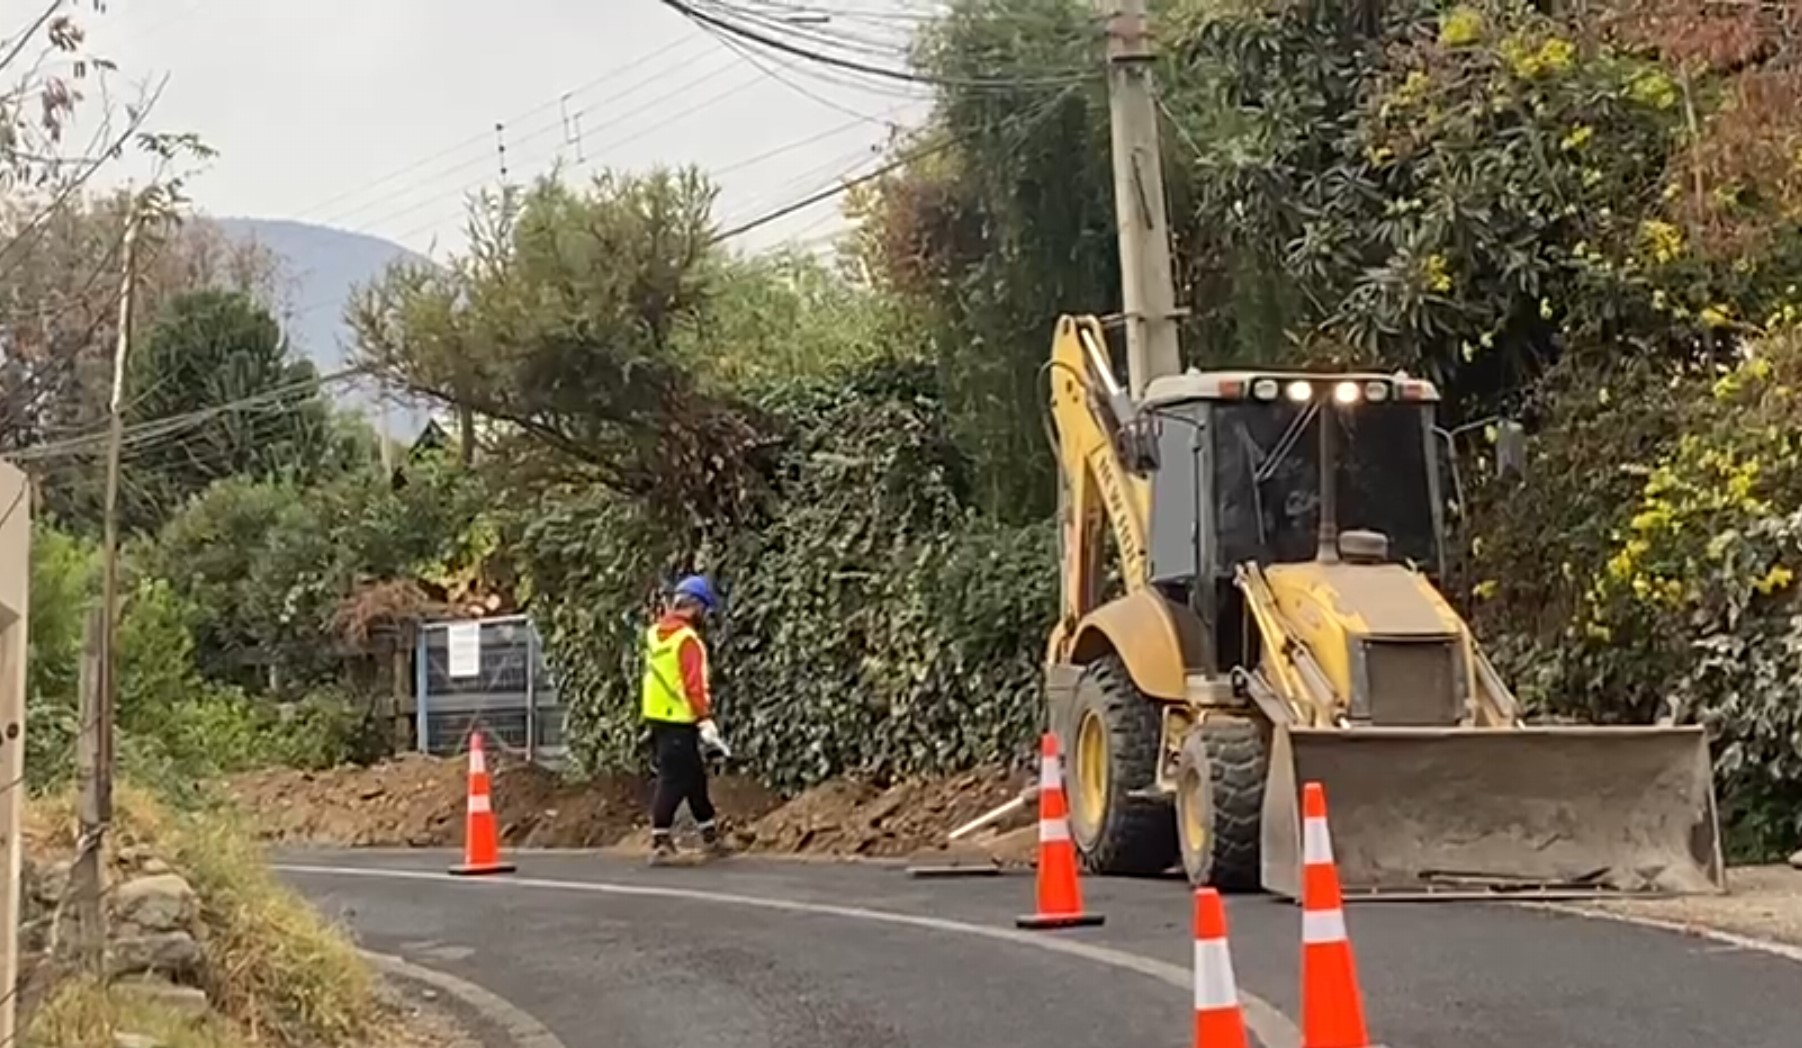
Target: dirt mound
{"type": "Point", "coordinates": [850, 818]}
{"type": "Point", "coordinates": [416, 801]}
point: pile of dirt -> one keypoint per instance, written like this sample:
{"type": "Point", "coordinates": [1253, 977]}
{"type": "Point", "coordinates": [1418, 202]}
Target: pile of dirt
{"type": "Point", "coordinates": [856, 819]}
{"type": "Point", "coordinates": [417, 801]}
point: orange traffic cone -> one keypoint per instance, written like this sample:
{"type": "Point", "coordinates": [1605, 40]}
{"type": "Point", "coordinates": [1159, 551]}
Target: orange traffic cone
{"type": "Point", "coordinates": [481, 837]}
{"type": "Point", "coordinates": [1332, 1007]}
{"type": "Point", "coordinates": [1059, 895]}
{"type": "Point", "coordinates": [1219, 1021]}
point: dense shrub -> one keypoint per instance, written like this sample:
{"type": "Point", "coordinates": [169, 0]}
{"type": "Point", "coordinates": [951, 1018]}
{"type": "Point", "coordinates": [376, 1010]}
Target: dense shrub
{"type": "Point", "coordinates": [1670, 527]}
{"type": "Point", "coordinates": [873, 625]}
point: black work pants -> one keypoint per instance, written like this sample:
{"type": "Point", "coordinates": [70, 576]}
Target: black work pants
{"type": "Point", "coordinates": [681, 775]}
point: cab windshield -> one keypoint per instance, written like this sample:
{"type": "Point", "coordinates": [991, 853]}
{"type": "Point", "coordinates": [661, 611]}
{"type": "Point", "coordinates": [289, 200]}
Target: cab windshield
{"type": "Point", "coordinates": [1267, 474]}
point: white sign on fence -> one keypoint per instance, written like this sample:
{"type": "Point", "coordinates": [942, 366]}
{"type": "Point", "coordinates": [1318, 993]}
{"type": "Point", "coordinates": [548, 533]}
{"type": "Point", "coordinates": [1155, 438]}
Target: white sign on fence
{"type": "Point", "coordinates": [463, 644]}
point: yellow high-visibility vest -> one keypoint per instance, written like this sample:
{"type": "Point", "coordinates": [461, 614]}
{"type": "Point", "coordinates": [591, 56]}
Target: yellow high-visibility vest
{"type": "Point", "coordinates": [665, 698]}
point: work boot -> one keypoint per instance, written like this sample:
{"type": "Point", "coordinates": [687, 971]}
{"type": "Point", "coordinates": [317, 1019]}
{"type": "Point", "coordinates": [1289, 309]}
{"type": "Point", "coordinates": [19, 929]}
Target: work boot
{"type": "Point", "coordinates": [713, 842]}
{"type": "Point", "coordinates": [663, 848]}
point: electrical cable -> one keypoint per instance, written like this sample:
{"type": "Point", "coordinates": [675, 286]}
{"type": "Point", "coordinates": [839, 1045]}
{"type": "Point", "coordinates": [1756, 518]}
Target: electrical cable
{"type": "Point", "coordinates": [140, 433]}
{"type": "Point", "coordinates": [886, 169]}
{"type": "Point", "coordinates": [694, 14]}
{"type": "Point", "coordinates": [655, 79]}
{"type": "Point", "coordinates": [485, 137]}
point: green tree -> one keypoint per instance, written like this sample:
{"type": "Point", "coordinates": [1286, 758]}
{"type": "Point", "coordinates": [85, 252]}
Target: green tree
{"type": "Point", "coordinates": [562, 327]}
{"type": "Point", "coordinates": [209, 349]}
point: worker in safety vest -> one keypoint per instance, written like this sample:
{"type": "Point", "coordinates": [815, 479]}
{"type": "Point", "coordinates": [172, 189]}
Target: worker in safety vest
{"type": "Point", "coordinates": [678, 711]}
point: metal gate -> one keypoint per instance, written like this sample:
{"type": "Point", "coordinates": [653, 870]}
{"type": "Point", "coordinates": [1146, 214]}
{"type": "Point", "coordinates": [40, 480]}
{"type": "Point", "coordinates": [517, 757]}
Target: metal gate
{"type": "Point", "coordinates": [488, 673]}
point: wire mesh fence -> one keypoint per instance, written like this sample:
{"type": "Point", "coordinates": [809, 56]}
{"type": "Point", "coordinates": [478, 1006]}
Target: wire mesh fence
{"type": "Point", "coordinates": [491, 674]}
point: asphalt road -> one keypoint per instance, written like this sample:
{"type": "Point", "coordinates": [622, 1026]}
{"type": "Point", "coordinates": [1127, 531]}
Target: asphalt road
{"type": "Point", "coordinates": [757, 954]}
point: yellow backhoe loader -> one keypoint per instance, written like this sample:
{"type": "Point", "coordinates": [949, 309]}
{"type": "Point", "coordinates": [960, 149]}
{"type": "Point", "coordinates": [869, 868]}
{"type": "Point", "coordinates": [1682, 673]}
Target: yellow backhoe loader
{"type": "Point", "coordinates": [1276, 620]}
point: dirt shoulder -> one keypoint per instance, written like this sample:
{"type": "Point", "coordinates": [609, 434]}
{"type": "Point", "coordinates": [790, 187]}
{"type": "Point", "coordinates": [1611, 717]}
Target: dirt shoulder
{"type": "Point", "coordinates": [1764, 902]}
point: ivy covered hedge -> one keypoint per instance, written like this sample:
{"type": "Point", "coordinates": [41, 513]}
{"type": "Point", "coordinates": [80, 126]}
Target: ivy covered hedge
{"type": "Point", "coordinates": [874, 624]}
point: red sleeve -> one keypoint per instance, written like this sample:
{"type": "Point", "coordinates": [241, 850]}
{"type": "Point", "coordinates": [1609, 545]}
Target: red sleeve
{"type": "Point", "coordinates": [694, 678]}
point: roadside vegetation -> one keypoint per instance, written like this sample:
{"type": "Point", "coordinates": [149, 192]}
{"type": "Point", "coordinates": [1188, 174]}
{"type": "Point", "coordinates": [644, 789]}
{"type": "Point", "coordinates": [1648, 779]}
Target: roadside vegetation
{"type": "Point", "coordinates": [270, 971]}
{"type": "Point", "coordinates": [1585, 221]}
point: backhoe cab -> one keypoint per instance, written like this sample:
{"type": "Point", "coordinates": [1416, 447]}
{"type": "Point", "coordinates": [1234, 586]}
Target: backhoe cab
{"type": "Point", "coordinates": [1278, 536]}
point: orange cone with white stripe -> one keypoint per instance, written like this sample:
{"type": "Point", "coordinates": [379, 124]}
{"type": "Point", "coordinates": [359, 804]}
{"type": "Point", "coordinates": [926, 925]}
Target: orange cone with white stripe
{"type": "Point", "coordinates": [1332, 1006]}
{"type": "Point", "coordinates": [1059, 894]}
{"type": "Point", "coordinates": [481, 835]}
{"type": "Point", "coordinates": [1219, 1021]}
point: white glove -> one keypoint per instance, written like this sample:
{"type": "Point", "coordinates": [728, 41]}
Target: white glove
{"type": "Point", "coordinates": [711, 738]}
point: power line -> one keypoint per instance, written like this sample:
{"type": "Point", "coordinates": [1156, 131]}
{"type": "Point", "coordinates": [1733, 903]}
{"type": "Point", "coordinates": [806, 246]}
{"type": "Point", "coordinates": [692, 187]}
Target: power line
{"type": "Point", "coordinates": [886, 169]}
{"type": "Point", "coordinates": [531, 136]}
{"type": "Point", "coordinates": [755, 36]}
{"type": "Point", "coordinates": [484, 137]}
{"type": "Point", "coordinates": [663, 124]}
{"type": "Point", "coordinates": [142, 434]}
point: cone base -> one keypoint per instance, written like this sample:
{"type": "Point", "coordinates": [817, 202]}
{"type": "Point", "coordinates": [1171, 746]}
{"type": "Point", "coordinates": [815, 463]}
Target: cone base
{"type": "Point", "coordinates": [477, 870]}
{"type": "Point", "coordinates": [1043, 921]}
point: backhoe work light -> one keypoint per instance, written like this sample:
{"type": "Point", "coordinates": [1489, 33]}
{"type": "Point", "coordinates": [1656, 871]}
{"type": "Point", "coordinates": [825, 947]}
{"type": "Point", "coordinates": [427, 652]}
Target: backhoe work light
{"type": "Point", "coordinates": [1264, 389]}
{"type": "Point", "coordinates": [1300, 391]}
{"type": "Point", "coordinates": [1346, 392]}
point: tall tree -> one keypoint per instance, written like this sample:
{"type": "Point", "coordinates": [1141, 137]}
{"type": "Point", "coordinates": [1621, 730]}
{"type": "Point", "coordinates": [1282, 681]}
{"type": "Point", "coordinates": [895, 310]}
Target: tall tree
{"type": "Point", "coordinates": [208, 350]}
{"type": "Point", "coordinates": [564, 326]}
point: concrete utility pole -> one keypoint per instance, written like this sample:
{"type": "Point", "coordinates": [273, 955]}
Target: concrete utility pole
{"type": "Point", "coordinates": [1146, 283]}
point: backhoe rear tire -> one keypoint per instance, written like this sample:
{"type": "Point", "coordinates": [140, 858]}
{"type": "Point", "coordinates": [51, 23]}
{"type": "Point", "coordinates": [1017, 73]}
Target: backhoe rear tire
{"type": "Point", "coordinates": [1219, 803]}
{"type": "Point", "coordinates": [1116, 736]}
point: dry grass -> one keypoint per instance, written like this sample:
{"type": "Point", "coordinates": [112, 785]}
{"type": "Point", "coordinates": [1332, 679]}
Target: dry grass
{"type": "Point", "coordinates": [84, 1014]}
{"type": "Point", "coordinates": [277, 972]}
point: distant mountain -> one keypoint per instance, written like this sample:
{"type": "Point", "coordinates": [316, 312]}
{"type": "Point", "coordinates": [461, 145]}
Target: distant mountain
{"type": "Point", "coordinates": [322, 267]}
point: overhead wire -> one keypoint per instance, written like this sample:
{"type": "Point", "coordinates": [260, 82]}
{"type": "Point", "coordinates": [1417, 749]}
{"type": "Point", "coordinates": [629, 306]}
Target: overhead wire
{"type": "Point", "coordinates": [485, 138]}
{"type": "Point", "coordinates": [142, 433]}
{"type": "Point", "coordinates": [774, 42]}
{"type": "Point", "coordinates": [788, 65]}
{"type": "Point", "coordinates": [536, 134]}
{"type": "Point", "coordinates": [661, 124]}
{"type": "Point", "coordinates": [1014, 121]}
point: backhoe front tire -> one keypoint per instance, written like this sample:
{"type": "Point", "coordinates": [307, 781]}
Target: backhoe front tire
{"type": "Point", "coordinates": [1219, 803]}
{"type": "Point", "coordinates": [1116, 734]}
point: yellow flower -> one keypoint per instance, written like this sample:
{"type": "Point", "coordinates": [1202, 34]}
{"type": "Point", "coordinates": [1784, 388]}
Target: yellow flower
{"type": "Point", "coordinates": [1578, 137]}
{"type": "Point", "coordinates": [1779, 577]}
{"type": "Point", "coordinates": [1663, 241]}
{"type": "Point", "coordinates": [1557, 54]}
{"type": "Point", "coordinates": [1653, 88]}
{"type": "Point", "coordinates": [1438, 279]}
{"type": "Point", "coordinates": [1461, 27]}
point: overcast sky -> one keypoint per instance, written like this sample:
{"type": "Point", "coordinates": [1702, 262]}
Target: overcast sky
{"type": "Point", "coordinates": [378, 116]}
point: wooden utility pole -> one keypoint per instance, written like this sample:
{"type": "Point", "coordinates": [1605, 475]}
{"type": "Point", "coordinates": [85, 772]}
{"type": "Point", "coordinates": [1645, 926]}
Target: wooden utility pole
{"type": "Point", "coordinates": [1147, 285]}
{"type": "Point", "coordinates": [86, 881]}
{"type": "Point", "coordinates": [108, 690]}
{"type": "Point", "coordinates": [15, 604]}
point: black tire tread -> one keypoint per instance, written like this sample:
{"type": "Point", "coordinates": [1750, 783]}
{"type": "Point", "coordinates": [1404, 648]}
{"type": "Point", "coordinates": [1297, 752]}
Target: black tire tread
{"type": "Point", "coordinates": [1138, 835]}
{"type": "Point", "coordinates": [1238, 759]}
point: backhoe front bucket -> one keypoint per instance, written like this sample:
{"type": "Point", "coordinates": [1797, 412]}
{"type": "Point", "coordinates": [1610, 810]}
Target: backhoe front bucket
{"type": "Point", "coordinates": [1546, 812]}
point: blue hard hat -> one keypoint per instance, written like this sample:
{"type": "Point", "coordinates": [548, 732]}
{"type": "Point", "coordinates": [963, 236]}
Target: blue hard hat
{"type": "Point", "coordinates": [700, 590]}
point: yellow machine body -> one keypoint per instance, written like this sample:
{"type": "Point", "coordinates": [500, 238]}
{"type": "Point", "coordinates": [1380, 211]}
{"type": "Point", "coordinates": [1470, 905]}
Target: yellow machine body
{"type": "Point", "coordinates": [1351, 669]}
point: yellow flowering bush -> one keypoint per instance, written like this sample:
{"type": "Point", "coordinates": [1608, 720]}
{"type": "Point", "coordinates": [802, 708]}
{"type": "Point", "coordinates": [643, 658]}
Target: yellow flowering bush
{"type": "Point", "coordinates": [1693, 613]}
